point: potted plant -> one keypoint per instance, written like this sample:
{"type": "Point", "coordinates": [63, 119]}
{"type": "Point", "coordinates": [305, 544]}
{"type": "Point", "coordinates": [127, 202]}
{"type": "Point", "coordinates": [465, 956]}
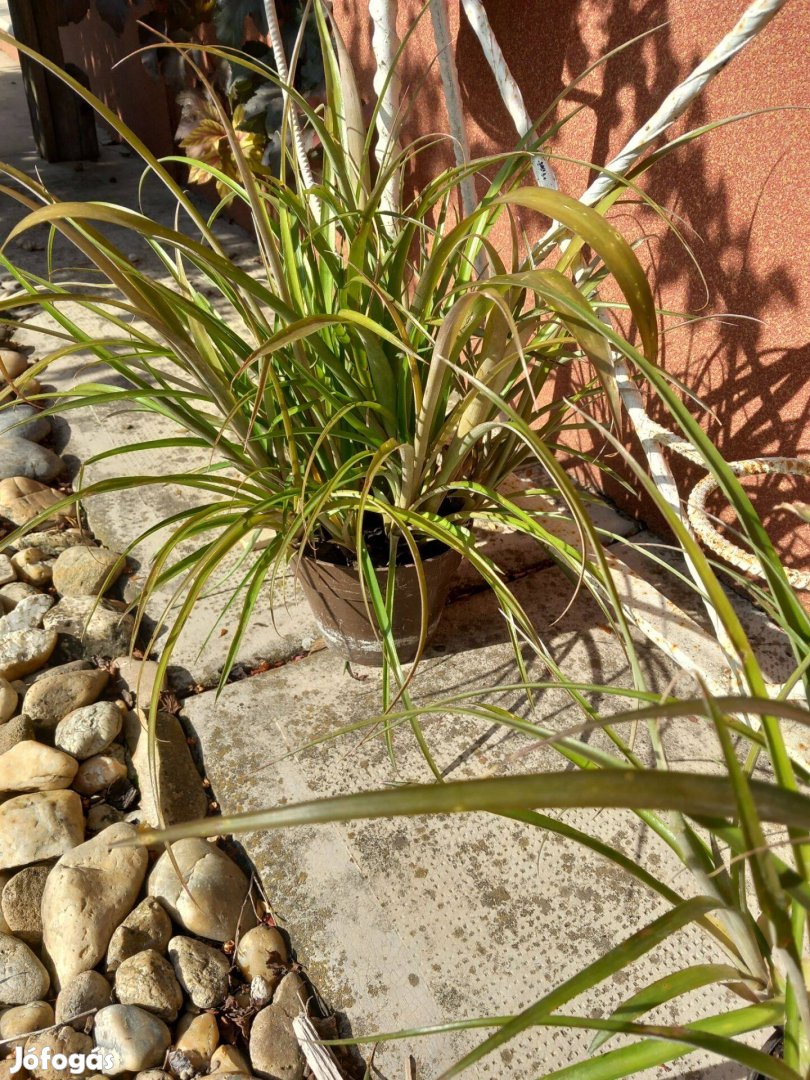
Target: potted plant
{"type": "Point", "coordinates": [370, 387]}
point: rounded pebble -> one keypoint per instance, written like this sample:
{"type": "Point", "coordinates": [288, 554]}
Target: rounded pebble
{"type": "Point", "coordinates": [89, 730]}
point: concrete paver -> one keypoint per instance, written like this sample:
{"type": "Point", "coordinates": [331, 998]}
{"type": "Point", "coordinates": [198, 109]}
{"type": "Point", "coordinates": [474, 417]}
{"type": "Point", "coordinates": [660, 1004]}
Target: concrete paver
{"type": "Point", "coordinates": [418, 921]}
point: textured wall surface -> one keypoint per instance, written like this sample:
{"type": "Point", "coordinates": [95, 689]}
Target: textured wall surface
{"type": "Point", "coordinates": [119, 78]}
{"type": "Point", "coordinates": [740, 194]}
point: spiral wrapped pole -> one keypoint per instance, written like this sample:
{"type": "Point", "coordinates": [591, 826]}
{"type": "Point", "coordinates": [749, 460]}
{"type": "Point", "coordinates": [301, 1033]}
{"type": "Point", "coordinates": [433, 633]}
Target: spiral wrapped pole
{"type": "Point", "coordinates": [507, 87]}
{"type": "Point", "coordinates": [283, 71]}
{"type": "Point", "coordinates": [653, 436]}
{"type": "Point", "coordinates": [386, 82]}
{"type": "Point", "coordinates": [452, 97]}
{"type": "Point", "coordinates": [704, 527]}
{"type": "Point", "coordinates": [756, 16]}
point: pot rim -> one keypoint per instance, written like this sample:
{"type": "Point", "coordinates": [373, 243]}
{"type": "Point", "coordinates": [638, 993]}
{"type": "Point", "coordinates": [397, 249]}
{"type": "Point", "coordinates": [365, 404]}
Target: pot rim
{"type": "Point", "coordinates": [400, 566]}
{"type": "Point", "coordinates": [303, 554]}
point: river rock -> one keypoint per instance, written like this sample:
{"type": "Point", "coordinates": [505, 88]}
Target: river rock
{"type": "Point", "coordinates": [12, 364]}
{"type": "Point", "coordinates": [22, 902]}
{"type": "Point", "coordinates": [5, 877]}
{"type": "Point", "coordinates": [23, 1019]}
{"type": "Point", "coordinates": [81, 998]}
{"type": "Point", "coordinates": [227, 1059]}
{"type": "Point", "coordinates": [86, 571]}
{"type": "Point", "coordinates": [13, 594]}
{"type": "Point", "coordinates": [274, 1049]}
{"type": "Point", "coordinates": [198, 1037]}
{"type": "Point", "coordinates": [214, 902]}
{"type": "Point", "coordinates": [24, 651]}
{"type": "Point", "coordinates": [182, 797]}
{"type": "Point", "coordinates": [201, 970]}
{"type": "Point", "coordinates": [89, 730]}
{"type": "Point", "coordinates": [19, 457]}
{"type": "Point", "coordinates": [32, 766]}
{"type": "Point", "coordinates": [292, 994]}
{"type": "Point", "coordinates": [23, 421]}
{"type": "Point", "coordinates": [58, 669]}
{"type": "Point", "coordinates": [91, 627]}
{"type": "Point", "coordinates": [153, 1074]}
{"type": "Point", "coordinates": [136, 1038]}
{"type": "Point", "coordinates": [23, 977]}
{"type": "Point", "coordinates": [260, 952]}
{"type": "Point", "coordinates": [41, 826]}
{"type": "Point", "coordinates": [33, 567]}
{"type": "Point", "coordinates": [8, 700]}
{"type": "Point", "coordinates": [88, 893]}
{"type": "Point", "coordinates": [63, 1041]}
{"type": "Point", "coordinates": [60, 692]}
{"type": "Point", "coordinates": [20, 729]}
{"type": "Point", "coordinates": [181, 1065]}
{"type": "Point", "coordinates": [21, 500]}
{"type": "Point", "coordinates": [27, 615]}
{"type": "Point", "coordinates": [147, 927]}
{"type": "Point", "coordinates": [54, 543]}
{"type": "Point", "coordinates": [7, 572]}
{"type": "Point", "coordinates": [147, 980]}
{"type": "Point", "coordinates": [99, 773]}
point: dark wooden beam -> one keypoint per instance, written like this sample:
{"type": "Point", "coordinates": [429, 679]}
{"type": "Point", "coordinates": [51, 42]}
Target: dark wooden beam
{"type": "Point", "coordinates": [63, 126]}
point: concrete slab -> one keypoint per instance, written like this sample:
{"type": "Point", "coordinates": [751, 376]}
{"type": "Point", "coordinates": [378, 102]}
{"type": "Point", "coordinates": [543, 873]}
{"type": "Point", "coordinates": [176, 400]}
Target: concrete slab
{"type": "Point", "coordinates": [418, 921]}
{"type": "Point", "coordinates": [653, 560]}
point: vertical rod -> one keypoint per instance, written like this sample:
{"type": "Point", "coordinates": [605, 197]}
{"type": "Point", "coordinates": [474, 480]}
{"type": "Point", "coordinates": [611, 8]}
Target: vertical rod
{"type": "Point", "coordinates": [452, 97]}
{"type": "Point", "coordinates": [756, 16]}
{"type": "Point", "coordinates": [385, 43]}
{"type": "Point", "coordinates": [274, 33]}
{"type": "Point", "coordinates": [507, 86]}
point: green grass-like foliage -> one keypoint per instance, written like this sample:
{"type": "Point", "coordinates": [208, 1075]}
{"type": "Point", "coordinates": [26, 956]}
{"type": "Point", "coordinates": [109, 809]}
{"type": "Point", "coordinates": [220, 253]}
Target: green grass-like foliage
{"type": "Point", "coordinates": [382, 366]}
{"type": "Point", "coordinates": [391, 362]}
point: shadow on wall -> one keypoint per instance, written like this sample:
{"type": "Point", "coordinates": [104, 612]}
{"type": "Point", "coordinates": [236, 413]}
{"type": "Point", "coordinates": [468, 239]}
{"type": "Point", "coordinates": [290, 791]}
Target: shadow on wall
{"type": "Point", "coordinates": [735, 194]}
{"type": "Point", "coordinates": [722, 190]}
{"type": "Point", "coordinates": [120, 79]}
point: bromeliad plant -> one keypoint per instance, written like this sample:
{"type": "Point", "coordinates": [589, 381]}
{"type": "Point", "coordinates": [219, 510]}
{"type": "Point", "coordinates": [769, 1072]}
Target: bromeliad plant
{"type": "Point", "coordinates": [368, 390]}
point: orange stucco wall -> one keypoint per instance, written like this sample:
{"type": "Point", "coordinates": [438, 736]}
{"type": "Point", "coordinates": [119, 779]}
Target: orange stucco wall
{"type": "Point", "coordinates": [118, 77]}
{"type": "Point", "coordinates": [741, 194]}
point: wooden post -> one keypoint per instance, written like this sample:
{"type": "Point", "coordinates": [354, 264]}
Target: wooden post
{"type": "Point", "coordinates": [64, 126]}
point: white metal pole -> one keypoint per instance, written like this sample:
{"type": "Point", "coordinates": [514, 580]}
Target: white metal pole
{"type": "Point", "coordinates": [651, 435]}
{"type": "Point", "coordinates": [283, 71]}
{"type": "Point", "coordinates": [508, 88]}
{"type": "Point", "coordinates": [385, 43]}
{"type": "Point", "coordinates": [757, 15]}
{"type": "Point", "coordinates": [452, 97]}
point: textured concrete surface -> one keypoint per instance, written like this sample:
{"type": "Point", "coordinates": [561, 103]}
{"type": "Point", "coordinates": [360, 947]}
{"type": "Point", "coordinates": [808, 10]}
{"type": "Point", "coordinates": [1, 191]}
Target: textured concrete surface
{"type": "Point", "coordinates": [417, 921]}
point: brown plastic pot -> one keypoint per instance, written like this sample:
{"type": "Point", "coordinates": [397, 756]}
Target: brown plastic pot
{"type": "Point", "coordinates": [336, 597]}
